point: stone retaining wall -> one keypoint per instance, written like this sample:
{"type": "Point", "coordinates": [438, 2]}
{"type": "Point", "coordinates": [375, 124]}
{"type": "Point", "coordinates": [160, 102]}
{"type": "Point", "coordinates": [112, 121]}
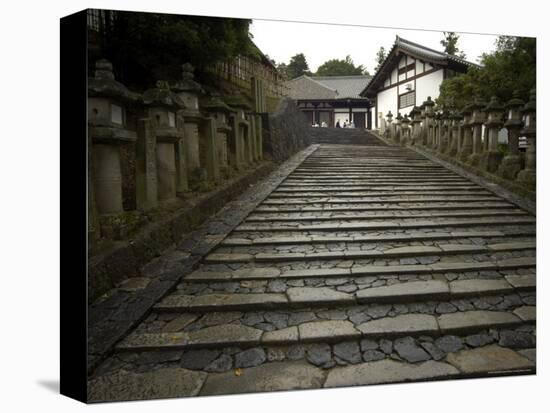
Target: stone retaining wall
{"type": "Point", "coordinates": [285, 132]}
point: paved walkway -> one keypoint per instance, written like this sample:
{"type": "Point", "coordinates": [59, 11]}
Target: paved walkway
{"type": "Point", "coordinates": [368, 264]}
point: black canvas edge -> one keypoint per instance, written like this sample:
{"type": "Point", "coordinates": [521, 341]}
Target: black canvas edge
{"type": "Point", "coordinates": [73, 205]}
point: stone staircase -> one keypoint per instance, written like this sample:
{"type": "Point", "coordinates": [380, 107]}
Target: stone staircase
{"type": "Point", "coordinates": [369, 264]}
{"type": "Point", "coordinates": [345, 136]}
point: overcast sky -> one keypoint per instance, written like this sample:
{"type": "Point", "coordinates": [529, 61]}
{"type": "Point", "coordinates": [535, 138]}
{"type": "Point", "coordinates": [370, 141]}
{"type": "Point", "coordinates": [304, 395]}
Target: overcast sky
{"type": "Point", "coordinates": [320, 42]}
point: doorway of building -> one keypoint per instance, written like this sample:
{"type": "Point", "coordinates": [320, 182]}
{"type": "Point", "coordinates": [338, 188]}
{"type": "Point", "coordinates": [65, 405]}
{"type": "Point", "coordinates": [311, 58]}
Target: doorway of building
{"type": "Point", "coordinates": [359, 119]}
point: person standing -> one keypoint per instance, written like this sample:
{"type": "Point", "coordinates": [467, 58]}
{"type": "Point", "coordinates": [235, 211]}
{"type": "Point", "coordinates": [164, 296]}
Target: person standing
{"type": "Point", "coordinates": [338, 123]}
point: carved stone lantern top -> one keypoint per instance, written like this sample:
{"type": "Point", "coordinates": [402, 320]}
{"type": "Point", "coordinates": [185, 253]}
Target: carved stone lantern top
{"type": "Point", "coordinates": [238, 102]}
{"type": "Point", "coordinates": [104, 84]}
{"type": "Point", "coordinates": [514, 105]}
{"type": "Point", "coordinates": [389, 115]}
{"type": "Point", "coordinates": [529, 115]}
{"type": "Point", "coordinates": [215, 104]}
{"type": "Point", "coordinates": [494, 111]}
{"type": "Point", "coordinates": [162, 96]}
{"type": "Point", "coordinates": [187, 83]}
{"type": "Point", "coordinates": [415, 114]}
{"type": "Point", "coordinates": [405, 121]}
{"type": "Point", "coordinates": [478, 112]}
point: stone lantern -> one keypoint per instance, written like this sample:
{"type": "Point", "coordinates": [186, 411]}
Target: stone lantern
{"type": "Point", "coordinates": [528, 175]}
{"type": "Point", "coordinates": [477, 120]}
{"type": "Point", "coordinates": [445, 122]}
{"type": "Point", "coordinates": [405, 130]}
{"type": "Point", "coordinates": [188, 90]}
{"type": "Point", "coordinates": [466, 147]}
{"type": "Point", "coordinates": [492, 157]}
{"type": "Point", "coordinates": [454, 133]}
{"type": "Point", "coordinates": [220, 112]}
{"type": "Point", "coordinates": [163, 107]}
{"type": "Point", "coordinates": [240, 144]}
{"type": "Point", "coordinates": [397, 137]}
{"type": "Point", "coordinates": [108, 133]}
{"type": "Point", "coordinates": [428, 106]}
{"type": "Point", "coordinates": [416, 114]}
{"type": "Point", "coordinates": [511, 164]}
{"type": "Point", "coordinates": [389, 120]}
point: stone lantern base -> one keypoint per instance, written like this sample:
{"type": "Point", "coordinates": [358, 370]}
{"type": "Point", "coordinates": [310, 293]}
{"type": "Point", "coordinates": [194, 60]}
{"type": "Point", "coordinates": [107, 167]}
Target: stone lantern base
{"type": "Point", "coordinates": [490, 161]}
{"type": "Point", "coordinates": [510, 166]}
{"type": "Point", "coordinates": [528, 177]}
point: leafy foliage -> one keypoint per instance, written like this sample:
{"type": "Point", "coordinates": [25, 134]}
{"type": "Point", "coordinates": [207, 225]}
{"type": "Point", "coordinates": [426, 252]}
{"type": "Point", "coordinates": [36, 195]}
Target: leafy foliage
{"type": "Point", "coordinates": [450, 43]}
{"type": "Point", "coordinates": [338, 67]}
{"type": "Point", "coordinates": [511, 67]}
{"type": "Point", "coordinates": [145, 47]}
{"type": "Point", "coordinates": [297, 66]}
{"type": "Point", "coordinates": [380, 57]}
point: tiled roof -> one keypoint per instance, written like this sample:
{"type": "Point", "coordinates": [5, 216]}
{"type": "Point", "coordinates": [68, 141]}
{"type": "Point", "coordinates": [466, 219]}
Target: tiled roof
{"type": "Point", "coordinates": [416, 50]}
{"type": "Point", "coordinates": [327, 87]}
{"type": "Point", "coordinates": [429, 54]}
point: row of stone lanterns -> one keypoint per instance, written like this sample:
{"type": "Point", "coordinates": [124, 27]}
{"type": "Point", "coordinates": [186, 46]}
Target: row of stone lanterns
{"type": "Point", "coordinates": [169, 137]}
{"type": "Point", "coordinates": [471, 136]}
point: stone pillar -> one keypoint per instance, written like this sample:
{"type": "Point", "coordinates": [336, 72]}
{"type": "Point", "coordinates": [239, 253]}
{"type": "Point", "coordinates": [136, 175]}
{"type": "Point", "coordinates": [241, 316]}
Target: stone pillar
{"type": "Point", "coordinates": [146, 166]}
{"type": "Point", "coordinates": [389, 131]}
{"type": "Point", "coordinates": [492, 157]}
{"type": "Point", "coordinates": [405, 131]}
{"type": "Point", "coordinates": [454, 133]}
{"type": "Point", "coordinates": [397, 126]}
{"type": "Point", "coordinates": [259, 138]}
{"type": "Point", "coordinates": [182, 179]}
{"type": "Point", "coordinates": [94, 232]}
{"type": "Point", "coordinates": [234, 144]}
{"type": "Point", "coordinates": [416, 123]}
{"type": "Point", "coordinates": [428, 106]}
{"type": "Point", "coordinates": [209, 149]}
{"type": "Point", "coordinates": [163, 108]}
{"type": "Point", "coordinates": [107, 133]}
{"type": "Point", "coordinates": [478, 118]}
{"type": "Point", "coordinates": [512, 162]}
{"type": "Point", "coordinates": [188, 91]}
{"type": "Point", "coordinates": [444, 132]}
{"type": "Point", "coordinates": [467, 145]}
{"type": "Point", "coordinates": [528, 175]}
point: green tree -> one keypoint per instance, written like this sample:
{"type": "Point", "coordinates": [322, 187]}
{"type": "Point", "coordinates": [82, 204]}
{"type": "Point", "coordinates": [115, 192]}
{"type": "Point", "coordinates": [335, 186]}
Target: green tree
{"type": "Point", "coordinates": [337, 67]}
{"type": "Point", "coordinates": [297, 66]}
{"type": "Point", "coordinates": [145, 47]}
{"type": "Point", "coordinates": [380, 57]}
{"type": "Point", "coordinates": [511, 67]}
{"type": "Point", "coordinates": [450, 43]}
{"type": "Point", "coordinates": [282, 69]}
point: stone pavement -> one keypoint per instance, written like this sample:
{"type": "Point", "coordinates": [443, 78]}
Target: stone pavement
{"type": "Point", "coordinates": [368, 264]}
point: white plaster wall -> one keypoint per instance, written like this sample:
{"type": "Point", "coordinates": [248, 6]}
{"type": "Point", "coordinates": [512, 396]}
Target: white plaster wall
{"type": "Point", "coordinates": [387, 100]}
{"type": "Point", "coordinates": [428, 85]}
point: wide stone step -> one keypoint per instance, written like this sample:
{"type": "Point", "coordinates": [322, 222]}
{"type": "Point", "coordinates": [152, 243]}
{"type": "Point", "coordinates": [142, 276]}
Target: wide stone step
{"type": "Point", "coordinates": [323, 331]}
{"type": "Point", "coordinates": [259, 273]}
{"type": "Point", "coordinates": [383, 207]}
{"type": "Point", "coordinates": [395, 224]}
{"type": "Point", "coordinates": [303, 297]}
{"type": "Point", "coordinates": [378, 192]}
{"type": "Point", "coordinates": [406, 251]}
{"type": "Point", "coordinates": [381, 200]}
{"type": "Point", "coordinates": [328, 215]}
{"type": "Point", "coordinates": [381, 187]}
{"type": "Point", "coordinates": [351, 238]}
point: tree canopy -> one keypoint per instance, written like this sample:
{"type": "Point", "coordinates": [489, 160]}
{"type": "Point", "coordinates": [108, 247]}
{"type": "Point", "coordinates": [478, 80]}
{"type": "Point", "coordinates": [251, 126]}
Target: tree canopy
{"type": "Point", "coordinates": [296, 67]}
{"type": "Point", "coordinates": [380, 57]}
{"type": "Point", "coordinates": [511, 67]}
{"type": "Point", "coordinates": [450, 43]}
{"type": "Point", "coordinates": [338, 67]}
{"type": "Point", "coordinates": [145, 47]}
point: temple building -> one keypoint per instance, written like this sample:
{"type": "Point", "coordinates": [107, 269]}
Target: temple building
{"type": "Point", "coordinates": [330, 99]}
{"type": "Point", "coordinates": [409, 74]}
